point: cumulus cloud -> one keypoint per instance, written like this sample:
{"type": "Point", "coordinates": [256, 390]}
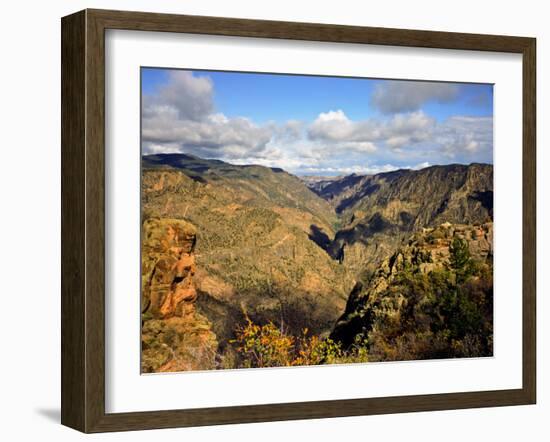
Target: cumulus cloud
{"type": "Point", "coordinates": [408, 129]}
{"type": "Point", "coordinates": [212, 136]}
{"type": "Point", "coordinates": [466, 136]}
{"type": "Point", "coordinates": [404, 137]}
{"type": "Point", "coordinates": [365, 135]}
{"type": "Point", "coordinates": [336, 126]}
{"type": "Point", "coordinates": [181, 117]}
{"type": "Point", "coordinates": [292, 130]}
{"type": "Point", "coordinates": [405, 96]}
{"type": "Point", "coordinates": [186, 96]}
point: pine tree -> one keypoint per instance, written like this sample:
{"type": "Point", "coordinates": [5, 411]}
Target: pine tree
{"type": "Point", "coordinates": [460, 259]}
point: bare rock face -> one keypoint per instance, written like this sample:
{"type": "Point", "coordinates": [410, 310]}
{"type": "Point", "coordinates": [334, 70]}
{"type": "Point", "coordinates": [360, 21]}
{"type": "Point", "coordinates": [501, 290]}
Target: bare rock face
{"type": "Point", "coordinates": [175, 337]}
{"type": "Point", "coordinates": [379, 211]}
{"type": "Point", "coordinates": [168, 268]}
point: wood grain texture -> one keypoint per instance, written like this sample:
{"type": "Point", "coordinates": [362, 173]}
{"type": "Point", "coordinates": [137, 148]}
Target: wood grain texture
{"type": "Point", "coordinates": [73, 253]}
{"type": "Point", "coordinates": [95, 221]}
{"type": "Point", "coordinates": [529, 221]}
{"type": "Point", "coordinates": [144, 21]}
{"type": "Point", "coordinates": [83, 220]}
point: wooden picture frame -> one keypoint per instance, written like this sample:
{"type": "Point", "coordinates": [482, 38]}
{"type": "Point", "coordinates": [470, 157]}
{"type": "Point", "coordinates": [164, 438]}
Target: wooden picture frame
{"type": "Point", "coordinates": [83, 220]}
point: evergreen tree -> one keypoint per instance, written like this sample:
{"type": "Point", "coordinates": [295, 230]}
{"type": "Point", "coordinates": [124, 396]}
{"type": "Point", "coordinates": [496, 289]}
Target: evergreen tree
{"type": "Point", "coordinates": [460, 259]}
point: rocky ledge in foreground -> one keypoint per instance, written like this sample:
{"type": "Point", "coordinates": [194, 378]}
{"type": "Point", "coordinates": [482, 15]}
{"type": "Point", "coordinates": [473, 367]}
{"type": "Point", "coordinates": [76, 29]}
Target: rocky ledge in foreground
{"type": "Point", "coordinates": [175, 337]}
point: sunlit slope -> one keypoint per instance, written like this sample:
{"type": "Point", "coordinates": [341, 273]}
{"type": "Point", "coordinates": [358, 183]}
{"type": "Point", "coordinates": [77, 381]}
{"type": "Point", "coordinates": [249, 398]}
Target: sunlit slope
{"type": "Point", "coordinates": [258, 236]}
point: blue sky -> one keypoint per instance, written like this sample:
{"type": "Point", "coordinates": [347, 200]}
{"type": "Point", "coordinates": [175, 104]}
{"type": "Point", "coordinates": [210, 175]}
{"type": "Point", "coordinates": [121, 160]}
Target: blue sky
{"type": "Point", "coordinates": [316, 125]}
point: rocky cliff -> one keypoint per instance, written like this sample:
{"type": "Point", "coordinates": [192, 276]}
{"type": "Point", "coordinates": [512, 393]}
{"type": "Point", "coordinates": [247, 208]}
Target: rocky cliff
{"type": "Point", "coordinates": [431, 298]}
{"type": "Point", "coordinates": [175, 336]}
{"type": "Point", "coordinates": [379, 211]}
{"type": "Point", "coordinates": [258, 250]}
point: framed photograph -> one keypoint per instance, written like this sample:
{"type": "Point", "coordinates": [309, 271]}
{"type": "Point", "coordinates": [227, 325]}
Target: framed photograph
{"type": "Point", "coordinates": [266, 220]}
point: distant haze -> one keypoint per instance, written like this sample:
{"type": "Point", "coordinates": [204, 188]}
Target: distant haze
{"type": "Point", "coordinates": [312, 125]}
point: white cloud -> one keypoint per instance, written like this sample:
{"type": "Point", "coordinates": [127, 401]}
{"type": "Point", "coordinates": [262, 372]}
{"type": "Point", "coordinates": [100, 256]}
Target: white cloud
{"type": "Point", "coordinates": [465, 135]}
{"type": "Point", "coordinates": [421, 165]}
{"type": "Point", "coordinates": [181, 117]}
{"type": "Point", "coordinates": [359, 169]}
{"type": "Point", "coordinates": [365, 135]}
{"type": "Point", "coordinates": [230, 138]}
{"type": "Point", "coordinates": [187, 96]}
{"type": "Point", "coordinates": [406, 96]}
{"type": "Point", "coordinates": [336, 126]}
{"type": "Point", "coordinates": [292, 130]}
{"type": "Point", "coordinates": [347, 170]}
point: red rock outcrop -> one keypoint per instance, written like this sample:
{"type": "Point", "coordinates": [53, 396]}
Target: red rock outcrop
{"type": "Point", "coordinates": [175, 337]}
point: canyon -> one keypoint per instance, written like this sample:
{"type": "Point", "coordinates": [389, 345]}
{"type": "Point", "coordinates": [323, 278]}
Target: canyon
{"type": "Point", "coordinates": [224, 244]}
